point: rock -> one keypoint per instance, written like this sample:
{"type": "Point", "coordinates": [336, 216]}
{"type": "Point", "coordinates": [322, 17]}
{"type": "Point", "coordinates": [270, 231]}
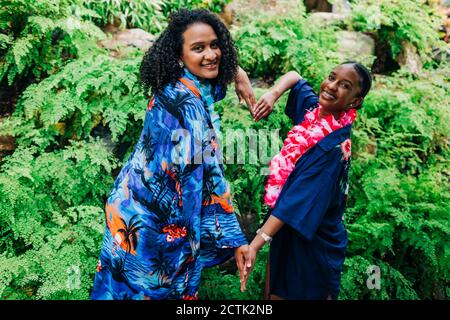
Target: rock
{"type": "Point", "coordinates": [409, 58]}
{"type": "Point", "coordinates": [327, 18]}
{"type": "Point", "coordinates": [7, 143]}
{"type": "Point", "coordinates": [355, 45]}
{"type": "Point", "coordinates": [137, 38]}
{"type": "Point", "coordinates": [317, 6]}
{"type": "Point", "coordinates": [341, 7]}
{"type": "Point", "coordinates": [227, 15]}
{"type": "Point", "coordinates": [7, 146]}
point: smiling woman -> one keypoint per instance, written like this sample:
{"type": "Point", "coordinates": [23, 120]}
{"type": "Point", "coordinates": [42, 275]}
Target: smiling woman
{"type": "Point", "coordinates": [167, 200]}
{"type": "Point", "coordinates": [201, 52]}
{"type": "Point", "coordinates": [193, 39]}
{"type": "Point", "coordinates": [308, 182]}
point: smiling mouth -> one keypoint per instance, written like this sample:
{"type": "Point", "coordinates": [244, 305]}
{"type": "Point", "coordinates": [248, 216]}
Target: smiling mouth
{"type": "Point", "coordinates": [328, 96]}
{"type": "Point", "coordinates": [211, 66]}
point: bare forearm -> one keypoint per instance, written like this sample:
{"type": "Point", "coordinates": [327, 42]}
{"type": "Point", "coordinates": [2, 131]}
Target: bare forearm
{"type": "Point", "coordinates": [244, 89]}
{"type": "Point", "coordinates": [285, 83]}
{"type": "Point", "coordinates": [270, 227]}
{"type": "Point", "coordinates": [239, 73]}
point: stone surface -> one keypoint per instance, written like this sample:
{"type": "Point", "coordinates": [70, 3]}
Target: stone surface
{"type": "Point", "coordinates": [137, 38]}
{"type": "Point", "coordinates": [7, 145]}
{"type": "Point", "coordinates": [355, 45]}
{"type": "Point", "coordinates": [227, 15]}
{"type": "Point", "coordinates": [409, 58]}
{"type": "Point", "coordinates": [317, 6]}
{"type": "Point", "coordinates": [326, 18]}
{"type": "Point", "coordinates": [341, 6]}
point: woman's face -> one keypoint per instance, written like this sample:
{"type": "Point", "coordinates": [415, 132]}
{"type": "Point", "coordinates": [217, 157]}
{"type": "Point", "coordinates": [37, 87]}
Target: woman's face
{"type": "Point", "coordinates": [340, 89]}
{"type": "Point", "coordinates": [201, 53]}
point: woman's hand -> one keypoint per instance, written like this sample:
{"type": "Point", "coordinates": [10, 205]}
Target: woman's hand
{"type": "Point", "coordinates": [249, 264]}
{"type": "Point", "coordinates": [264, 106]}
{"type": "Point", "coordinates": [241, 256]}
{"type": "Point", "coordinates": [244, 89]}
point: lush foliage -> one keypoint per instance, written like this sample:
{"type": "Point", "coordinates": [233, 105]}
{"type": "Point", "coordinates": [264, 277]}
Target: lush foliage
{"type": "Point", "coordinates": [88, 94]}
{"type": "Point", "coordinates": [393, 24]}
{"type": "Point", "coordinates": [398, 218]}
{"type": "Point", "coordinates": [38, 37]}
{"type": "Point", "coordinates": [142, 14]}
{"type": "Point", "coordinates": [51, 220]}
{"type": "Point", "coordinates": [271, 45]}
{"type": "Point", "coordinates": [148, 15]}
{"type": "Point", "coordinates": [77, 121]}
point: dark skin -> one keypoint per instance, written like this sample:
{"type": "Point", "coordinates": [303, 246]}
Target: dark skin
{"type": "Point", "coordinates": [338, 92]}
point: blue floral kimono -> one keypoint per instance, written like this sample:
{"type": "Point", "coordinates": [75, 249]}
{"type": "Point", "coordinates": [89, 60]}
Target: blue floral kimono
{"type": "Point", "coordinates": [307, 254]}
{"type": "Point", "coordinates": [169, 214]}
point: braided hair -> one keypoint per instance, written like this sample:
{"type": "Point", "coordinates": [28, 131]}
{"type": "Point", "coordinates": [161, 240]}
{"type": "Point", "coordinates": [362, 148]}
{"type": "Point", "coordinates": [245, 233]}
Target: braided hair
{"type": "Point", "coordinates": [365, 77]}
{"type": "Point", "coordinates": [160, 64]}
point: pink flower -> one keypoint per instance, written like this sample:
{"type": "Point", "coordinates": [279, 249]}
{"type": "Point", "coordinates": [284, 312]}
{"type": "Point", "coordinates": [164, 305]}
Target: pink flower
{"type": "Point", "coordinates": [346, 148]}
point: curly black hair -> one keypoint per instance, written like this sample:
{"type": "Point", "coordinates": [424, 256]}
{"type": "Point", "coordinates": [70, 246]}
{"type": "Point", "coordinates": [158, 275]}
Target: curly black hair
{"type": "Point", "coordinates": [160, 65]}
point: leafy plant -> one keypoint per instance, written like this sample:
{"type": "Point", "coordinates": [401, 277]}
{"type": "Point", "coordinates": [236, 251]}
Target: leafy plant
{"type": "Point", "coordinates": [170, 6]}
{"type": "Point", "coordinates": [89, 95]}
{"type": "Point", "coordinates": [270, 45]}
{"type": "Point", "coordinates": [39, 37]}
{"type": "Point", "coordinates": [388, 19]}
{"type": "Point", "coordinates": [142, 14]}
{"type": "Point", "coordinates": [51, 220]}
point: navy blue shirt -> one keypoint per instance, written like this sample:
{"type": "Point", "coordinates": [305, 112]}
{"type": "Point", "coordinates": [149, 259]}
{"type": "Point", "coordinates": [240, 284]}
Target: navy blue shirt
{"type": "Point", "coordinates": [308, 252]}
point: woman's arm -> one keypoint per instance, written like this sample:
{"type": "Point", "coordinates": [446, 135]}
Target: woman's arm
{"type": "Point", "coordinates": [270, 228]}
{"type": "Point", "coordinates": [244, 89]}
{"type": "Point", "coordinates": [265, 104]}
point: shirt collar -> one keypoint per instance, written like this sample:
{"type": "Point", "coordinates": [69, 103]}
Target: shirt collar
{"type": "Point", "coordinates": [335, 138]}
{"type": "Point", "coordinates": [208, 91]}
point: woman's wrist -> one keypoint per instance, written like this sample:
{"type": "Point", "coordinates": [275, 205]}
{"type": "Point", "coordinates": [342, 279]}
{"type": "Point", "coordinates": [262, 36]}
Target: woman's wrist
{"type": "Point", "coordinates": [257, 246]}
{"type": "Point", "coordinates": [258, 242]}
{"type": "Point", "coordinates": [276, 93]}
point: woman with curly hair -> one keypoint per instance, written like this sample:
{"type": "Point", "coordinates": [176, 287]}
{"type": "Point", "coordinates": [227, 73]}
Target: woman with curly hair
{"type": "Point", "coordinates": [307, 186]}
{"type": "Point", "coordinates": [170, 213]}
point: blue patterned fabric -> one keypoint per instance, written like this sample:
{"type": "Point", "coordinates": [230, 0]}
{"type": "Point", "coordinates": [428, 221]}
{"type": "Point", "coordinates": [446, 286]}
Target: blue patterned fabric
{"type": "Point", "coordinates": [209, 95]}
{"type": "Point", "coordinates": [169, 214]}
{"type": "Point", "coordinates": [307, 254]}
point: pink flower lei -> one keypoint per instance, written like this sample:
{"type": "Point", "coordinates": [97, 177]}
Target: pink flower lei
{"type": "Point", "coordinates": [299, 140]}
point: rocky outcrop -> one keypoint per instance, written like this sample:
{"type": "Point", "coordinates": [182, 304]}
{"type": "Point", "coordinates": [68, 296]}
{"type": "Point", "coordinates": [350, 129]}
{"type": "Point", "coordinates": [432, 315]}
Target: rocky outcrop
{"type": "Point", "coordinates": [409, 58]}
{"type": "Point", "coordinates": [136, 38]}
{"type": "Point", "coordinates": [355, 45]}
{"type": "Point", "coordinates": [327, 18]}
{"type": "Point", "coordinates": [7, 145]}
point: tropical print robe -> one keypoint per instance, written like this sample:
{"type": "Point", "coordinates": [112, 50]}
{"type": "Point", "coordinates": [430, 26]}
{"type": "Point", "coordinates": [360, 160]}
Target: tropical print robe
{"type": "Point", "coordinates": [170, 213]}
